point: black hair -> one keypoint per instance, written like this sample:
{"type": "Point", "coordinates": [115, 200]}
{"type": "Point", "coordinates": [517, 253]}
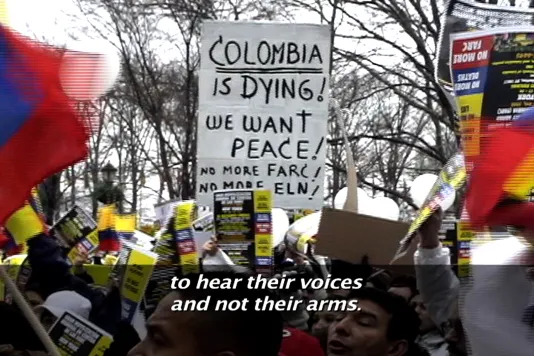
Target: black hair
{"type": "Point", "coordinates": [15, 330]}
{"type": "Point", "coordinates": [251, 331]}
{"type": "Point", "coordinates": [380, 281]}
{"type": "Point", "coordinates": [342, 269]}
{"type": "Point", "coordinates": [404, 323]}
{"type": "Point", "coordinates": [405, 281]}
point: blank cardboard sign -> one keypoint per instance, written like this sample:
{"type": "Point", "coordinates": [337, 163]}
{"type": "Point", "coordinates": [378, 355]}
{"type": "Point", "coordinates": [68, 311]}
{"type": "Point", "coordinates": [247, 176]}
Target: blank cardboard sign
{"type": "Point", "coordinates": [350, 236]}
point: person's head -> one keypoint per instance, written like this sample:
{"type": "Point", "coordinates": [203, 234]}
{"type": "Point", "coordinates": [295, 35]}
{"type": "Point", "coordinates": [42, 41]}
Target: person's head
{"type": "Point", "coordinates": [321, 321]}
{"type": "Point", "coordinates": [420, 307]}
{"type": "Point", "coordinates": [404, 286]}
{"type": "Point", "coordinates": [380, 281]}
{"type": "Point", "coordinates": [60, 302]}
{"type": "Point", "coordinates": [212, 332]}
{"type": "Point", "coordinates": [384, 325]}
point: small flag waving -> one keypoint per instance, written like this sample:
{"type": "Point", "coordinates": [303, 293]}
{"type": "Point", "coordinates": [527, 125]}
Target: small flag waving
{"type": "Point", "coordinates": [21, 226]}
{"type": "Point", "coordinates": [107, 235]}
{"type": "Point", "coordinates": [125, 225]}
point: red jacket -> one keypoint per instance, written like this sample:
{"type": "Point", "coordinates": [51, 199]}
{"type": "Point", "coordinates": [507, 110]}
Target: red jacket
{"type": "Point", "coordinates": [299, 343]}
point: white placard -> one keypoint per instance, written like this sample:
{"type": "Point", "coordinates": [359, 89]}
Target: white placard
{"type": "Point", "coordinates": [263, 110]}
{"type": "Point", "coordinates": [165, 210]}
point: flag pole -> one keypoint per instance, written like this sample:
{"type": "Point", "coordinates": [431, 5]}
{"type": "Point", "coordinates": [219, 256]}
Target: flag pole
{"type": "Point", "coordinates": [28, 313]}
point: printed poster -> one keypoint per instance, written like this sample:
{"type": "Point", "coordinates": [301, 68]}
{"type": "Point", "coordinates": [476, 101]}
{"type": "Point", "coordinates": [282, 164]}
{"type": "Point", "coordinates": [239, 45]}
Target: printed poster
{"type": "Point", "coordinates": [76, 232]}
{"type": "Point", "coordinates": [483, 61]}
{"type": "Point", "coordinates": [132, 272]}
{"type": "Point", "coordinates": [243, 217]}
{"type": "Point", "coordinates": [76, 336]}
{"type": "Point", "coordinates": [263, 111]}
{"type": "Point", "coordinates": [19, 270]}
{"type": "Point", "coordinates": [234, 223]}
{"type": "Point", "coordinates": [469, 15]}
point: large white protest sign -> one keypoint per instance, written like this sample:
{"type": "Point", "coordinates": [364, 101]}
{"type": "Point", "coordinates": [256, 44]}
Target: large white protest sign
{"type": "Point", "coordinates": [263, 109]}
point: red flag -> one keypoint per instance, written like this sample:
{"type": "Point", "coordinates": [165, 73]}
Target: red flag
{"type": "Point", "coordinates": [504, 171]}
{"type": "Point", "coordinates": [41, 132]}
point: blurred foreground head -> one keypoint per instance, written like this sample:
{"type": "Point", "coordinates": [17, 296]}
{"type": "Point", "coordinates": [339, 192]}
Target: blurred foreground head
{"type": "Point", "coordinates": [385, 325]}
{"type": "Point", "coordinates": [211, 332]}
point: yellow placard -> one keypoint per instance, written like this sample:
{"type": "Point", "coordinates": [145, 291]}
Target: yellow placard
{"type": "Point", "coordinates": [137, 275]}
{"type": "Point", "coordinates": [470, 114]}
{"type": "Point", "coordinates": [99, 273]}
{"type": "Point", "coordinates": [264, 245]}
{"type": "Point", "coordinates": [465, 233]}
{"type": "Point", "coordinates": [189, 263]}
{"type": "Point", "coordinates": [262, 201]}
{"type": "Point", "coordinates": [101, 346]}
{"type": "Point", "coordinates": [464, 267]}
{"type": "Point", "coordinates": [184, 215]}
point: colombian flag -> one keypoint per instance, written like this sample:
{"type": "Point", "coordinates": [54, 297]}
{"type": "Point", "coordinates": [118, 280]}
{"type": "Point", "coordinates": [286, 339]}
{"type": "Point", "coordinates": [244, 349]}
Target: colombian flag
{"type": "Point", "coordinates": [503, 176]}
{"type": "Point", "coordinates": [41, 130]}
{"type": "Point", "coordinates": [125, 225]}
{"type": "Point", "coordinates": [107, 235]}
{"type": "Point", "coordinates": [21, 226]}
{"type": "Point", "coordinates": [8, 244]}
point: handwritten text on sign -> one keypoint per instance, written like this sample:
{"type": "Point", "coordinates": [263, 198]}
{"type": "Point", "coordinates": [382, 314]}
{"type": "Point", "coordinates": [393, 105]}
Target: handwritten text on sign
{"type": "Point", "coordinates": [263, 110]}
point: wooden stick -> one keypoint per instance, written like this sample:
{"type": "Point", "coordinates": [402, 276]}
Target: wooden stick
{"type": "Point", "coordinates": [28, 313]}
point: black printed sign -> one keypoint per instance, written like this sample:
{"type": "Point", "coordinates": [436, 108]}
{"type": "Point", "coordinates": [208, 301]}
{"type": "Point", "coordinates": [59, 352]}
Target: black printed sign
{"type": "Point", "coordinates": [468, 15]}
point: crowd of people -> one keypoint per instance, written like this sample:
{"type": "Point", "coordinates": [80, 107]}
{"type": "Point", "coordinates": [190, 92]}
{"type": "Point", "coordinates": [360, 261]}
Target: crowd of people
{"type": "Point", "coordinates": [398, 315]}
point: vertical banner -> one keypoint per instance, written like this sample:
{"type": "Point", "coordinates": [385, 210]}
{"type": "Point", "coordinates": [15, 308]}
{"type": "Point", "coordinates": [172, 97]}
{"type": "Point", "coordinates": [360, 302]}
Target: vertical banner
{"type": "Point", "coordinates": [465, 237]}
{"type": "Point", "coordinates": [185, 214]}
{"type": "Point", "coordinates": [263, 99]}
{"type": "Point", "coordinates": [263, 232]}
{"type": "Point", "coordinates": [165, 269]}
{"type": "Point", "coordinates": [470, 67]}
{"type": "Point", "coordinates": [76, 336]}
{"type": "Point", "coordinates": [448, 235]}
